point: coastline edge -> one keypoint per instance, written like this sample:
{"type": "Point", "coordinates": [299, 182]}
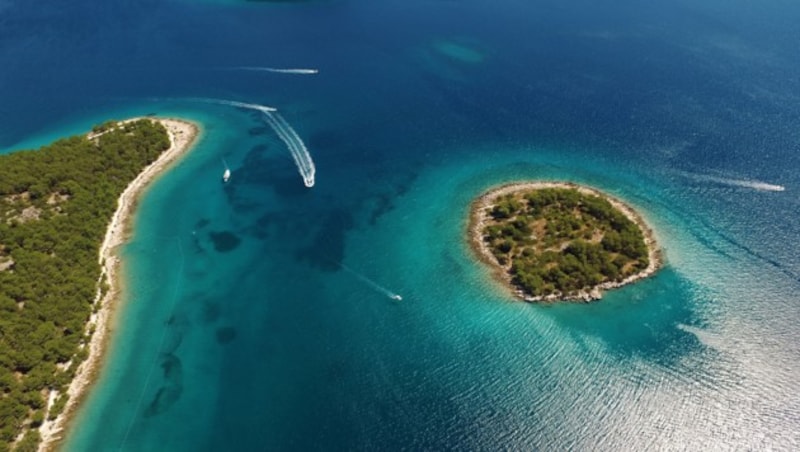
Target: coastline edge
{"type": "Point", "coordinates": [477, 221]}
{"type": "Point", "coordinates": [183, 135]}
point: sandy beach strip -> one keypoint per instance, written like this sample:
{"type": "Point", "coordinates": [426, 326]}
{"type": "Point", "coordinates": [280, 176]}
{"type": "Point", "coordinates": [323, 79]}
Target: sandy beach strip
{"type": "Point", "coordinates": [182, 136]}
{"type": "Point", "coordinates": [478, 218]}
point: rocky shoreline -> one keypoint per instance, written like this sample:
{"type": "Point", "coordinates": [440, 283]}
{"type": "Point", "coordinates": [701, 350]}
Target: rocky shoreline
{"type": "Point", "coordinates": [477, 221]}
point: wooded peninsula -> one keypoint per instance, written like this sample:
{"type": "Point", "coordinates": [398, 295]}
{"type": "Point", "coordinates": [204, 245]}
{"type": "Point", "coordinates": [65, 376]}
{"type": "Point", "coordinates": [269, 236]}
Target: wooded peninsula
{"type": "Point", "coordinates": [554, 241]}
{"type": "Point", "coordinates": [56, 205]}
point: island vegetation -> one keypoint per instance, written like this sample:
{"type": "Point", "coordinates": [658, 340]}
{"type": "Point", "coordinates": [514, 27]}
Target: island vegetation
{"type": "Point", "coordinates": [555, 241]}
{"type": "Point", "coordinates": [55, 206]}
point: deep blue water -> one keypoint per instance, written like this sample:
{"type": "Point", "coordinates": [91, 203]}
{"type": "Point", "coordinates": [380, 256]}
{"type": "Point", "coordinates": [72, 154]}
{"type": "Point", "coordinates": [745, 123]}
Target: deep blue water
{"type": "Point", "coordinates": [257, 315]}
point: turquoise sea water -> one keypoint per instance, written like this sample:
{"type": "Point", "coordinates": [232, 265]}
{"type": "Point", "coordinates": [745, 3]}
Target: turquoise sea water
{"type": "Point", "coordinates": [258, 315]}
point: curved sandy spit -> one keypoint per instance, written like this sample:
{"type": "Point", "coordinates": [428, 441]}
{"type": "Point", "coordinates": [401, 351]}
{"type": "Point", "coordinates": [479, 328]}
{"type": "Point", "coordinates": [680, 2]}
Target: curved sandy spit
{"type": "Point", "coordinates": [182, 136]}
{"type": "Point", "coordinates": [477, 221]}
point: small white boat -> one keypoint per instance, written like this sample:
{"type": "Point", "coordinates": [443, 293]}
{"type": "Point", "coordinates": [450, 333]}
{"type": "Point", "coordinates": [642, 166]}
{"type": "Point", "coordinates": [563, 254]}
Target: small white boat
{"type": "Point", "coordinates": [396, 297]}
{"type": "Point", "coordinates": [226, 175]}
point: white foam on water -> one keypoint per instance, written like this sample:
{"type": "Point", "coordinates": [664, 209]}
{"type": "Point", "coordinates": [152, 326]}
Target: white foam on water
{"type": "Point", "coordinates": [744, 183]}
{"type": "Point", "coordinates": [298, 71]}
{"type": "Point", "coordinates": [233, 103]}
{"type": "Point", "coordinates": [300, 154]}
{"type": "Point", "coordinates": [286, 133]}
{"type": "Point", "coordinates": [377, 287]}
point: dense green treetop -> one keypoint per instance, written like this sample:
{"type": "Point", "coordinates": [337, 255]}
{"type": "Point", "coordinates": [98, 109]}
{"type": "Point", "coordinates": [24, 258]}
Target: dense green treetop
{"type": "Point", "coordinates": [55, 205]}
{"type": "Point", "coordinates": [559, 243]}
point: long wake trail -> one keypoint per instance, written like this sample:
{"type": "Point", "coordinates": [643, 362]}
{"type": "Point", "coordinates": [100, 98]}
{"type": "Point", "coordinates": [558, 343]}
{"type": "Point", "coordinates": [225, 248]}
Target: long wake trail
{"type": "Point", "coordinates": [371, 283]}
{"type": "Point", "coordinates": [233, 103]}
{"type": "Point", "coordinates": [300, 154]}
{"type": "Point", "coordinates": [743, 183]}
{"type": "Point", "coordinates": [274, 70]}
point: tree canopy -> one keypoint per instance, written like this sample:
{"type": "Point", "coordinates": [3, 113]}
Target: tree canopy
{"type": "Point", "coordinates": [558, 242]}
{"type": "Point", "coordinates": [55, 205]}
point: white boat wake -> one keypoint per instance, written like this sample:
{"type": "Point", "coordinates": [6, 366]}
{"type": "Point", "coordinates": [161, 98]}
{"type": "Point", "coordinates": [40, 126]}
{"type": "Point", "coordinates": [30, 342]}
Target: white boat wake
{"type": "Point", "coordinates": [233, 103]}
{"type": "Point", "coordinates": [372, 283]}
{"type": "Point", "coordinates": [744, 183]}
{"type": "Point", "coordinates": [298, 71]}
{"type": "Point", "coordinates": [286, 133]}
{"type": "Point", "coordinates": [301, 156]}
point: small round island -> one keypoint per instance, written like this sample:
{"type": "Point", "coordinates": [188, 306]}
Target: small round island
{"type": "Point", "coordinates": [558, 241]}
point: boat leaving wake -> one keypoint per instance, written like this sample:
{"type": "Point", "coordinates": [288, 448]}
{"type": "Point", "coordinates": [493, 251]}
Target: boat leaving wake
{"type": "Point", "coordinates": [233, 103]}
{"type": "Point", "coordinates": [300, 154]}
{"type": "Point", "coordinates": [371, 283]}
{"type": "Point", "coordinates": [226, 176]}
{"type": "Point", "coordinates": [286, 133]}
{"type": "Point", "coordinates": [744, 183]}
{"type": "Point", "coordinates": [298, 71]}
